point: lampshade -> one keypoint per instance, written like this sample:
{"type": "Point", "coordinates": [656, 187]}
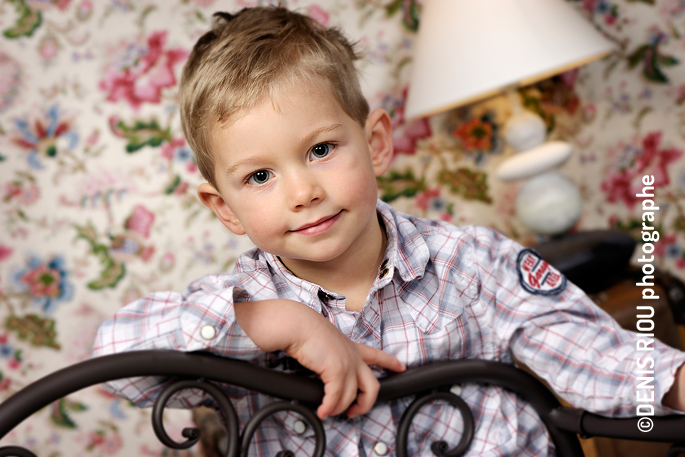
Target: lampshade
{"type": "Point", "coordinates": [468, 50]}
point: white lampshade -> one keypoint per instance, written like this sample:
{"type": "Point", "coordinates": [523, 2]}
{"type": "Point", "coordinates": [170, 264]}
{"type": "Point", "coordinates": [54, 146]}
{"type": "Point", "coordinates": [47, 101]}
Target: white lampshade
{"type": "Point", "coordinates": [468, 50]}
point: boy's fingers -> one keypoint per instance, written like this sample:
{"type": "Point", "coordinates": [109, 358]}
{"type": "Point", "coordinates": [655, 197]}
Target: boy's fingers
{"type": "Point", "coordinates": [373, 356]}
{"type": "Point", "coordinates": [368, 392]}
{"type": "Point", "coordinates": [331, 398]}
{"type": "Point", "coordinates": [338, 394]}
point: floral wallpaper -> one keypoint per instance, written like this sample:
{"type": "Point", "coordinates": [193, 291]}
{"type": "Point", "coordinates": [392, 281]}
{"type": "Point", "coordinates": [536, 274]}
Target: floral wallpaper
{"type": "Point", "coordinates": [97, 184]}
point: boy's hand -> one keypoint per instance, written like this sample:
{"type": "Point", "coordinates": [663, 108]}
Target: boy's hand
{"type": "Point", "coordinates": [318, 345]}
{"type": "Point", "coordinates": [343, 366]}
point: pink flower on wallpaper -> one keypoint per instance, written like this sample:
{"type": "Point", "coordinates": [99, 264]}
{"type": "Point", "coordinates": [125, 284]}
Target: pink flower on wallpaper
{"type": "Point", "coordinates": [140, 221]}
{"type": "Point", "coordinates": [139, 73]}
{"type": "Point", "coordinates": [654, 161]}
{"type": "Point", "coordinates": [619, 188]}
{"type": "Point", "coordinates": [318, 13]}
{"type": "Point", "coordinates": [406, 134]}
{"type": "Point", "coordinates": [48, 47]}
{"type": "Point", "coordinates": [24, 194]}
{"type": "Point", "coordinates": [589, 5]}
{"type": "Point", "coordinates": [624, 181]}
{"type": "Point", "coordinates": [5, 252]}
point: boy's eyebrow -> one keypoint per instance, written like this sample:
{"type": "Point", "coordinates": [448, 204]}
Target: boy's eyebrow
{"type": "Point", "coordinates": [249, 161]}
{"type": "Point", "coordinates": [327, 128]}
{"type": "Point", "coordinates": [305, 141]}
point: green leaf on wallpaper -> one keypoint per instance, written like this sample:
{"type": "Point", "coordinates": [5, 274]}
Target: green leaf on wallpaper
{"type": "Point", "coordinates": [399, 184]}
{"type": "Point", "coordinates": [533, 103]}
{"type": "Point", "coordinates": [679, 224]}
{"type": "Point", "coordinates": [469, 184]}
{"type": "Point", "coordinates": [652, 68]}
{"type": "Point", "coordinates": [146, 12]}
{"type": "Point", "coordinates": [667, 61]}
{"type": "Point", "coordinates": [112, 270]}
{"type": "Point", "coordinates": [393, 7]}
{"type": "Point", "coordinates": [38, 331]}
{"type": "Point", "coordinates": [173, 185]}
{"type": "Point", "coordinates": [27, 23]}
{"type": "Point", "coordinates": [637, 56]}
{"type": "Point", "coordinates": [643, 112]}
{"type": "Point", "coordinates": [409, 10]}
{"type": "Point", "coordinates": [140, 134]}
{"type": "Point", "coordinates": [59, 412]}
{"type": "Point", "coordinates": [652, 61]}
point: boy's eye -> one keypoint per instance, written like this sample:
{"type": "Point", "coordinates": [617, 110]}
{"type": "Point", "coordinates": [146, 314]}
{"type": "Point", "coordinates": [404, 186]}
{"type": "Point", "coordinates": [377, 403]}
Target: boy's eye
{"type": "Point", "coordinates": [321, 150]}
{"type": "Point", "coordinates": [259, 177]}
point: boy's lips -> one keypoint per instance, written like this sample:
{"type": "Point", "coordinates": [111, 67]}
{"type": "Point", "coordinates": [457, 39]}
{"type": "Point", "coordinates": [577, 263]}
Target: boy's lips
{"type": "Point", "coordinates": [319, 226]}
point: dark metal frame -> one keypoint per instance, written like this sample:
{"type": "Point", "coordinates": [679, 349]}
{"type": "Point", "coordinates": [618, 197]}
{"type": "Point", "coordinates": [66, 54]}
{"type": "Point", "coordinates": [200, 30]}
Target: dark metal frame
{"type": "Point", "coordinates": [301, 394]}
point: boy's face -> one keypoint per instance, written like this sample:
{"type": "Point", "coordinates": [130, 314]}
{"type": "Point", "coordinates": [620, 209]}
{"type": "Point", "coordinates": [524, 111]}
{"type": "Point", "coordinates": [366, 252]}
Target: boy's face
{"type": "Point", "coordinates": [297, 174]}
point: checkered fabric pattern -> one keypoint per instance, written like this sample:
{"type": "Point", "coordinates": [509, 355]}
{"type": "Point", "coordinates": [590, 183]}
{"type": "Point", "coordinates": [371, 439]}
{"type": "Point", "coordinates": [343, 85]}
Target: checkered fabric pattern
{"type": "Point", "coordinates": [448, 293]}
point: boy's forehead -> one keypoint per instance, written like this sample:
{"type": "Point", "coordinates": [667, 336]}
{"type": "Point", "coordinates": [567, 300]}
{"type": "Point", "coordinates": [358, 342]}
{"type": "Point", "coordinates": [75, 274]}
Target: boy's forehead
{"type": "Point", "coordinates": [280, 95]}
{"type": "Point", "coordinates": [296, 112]}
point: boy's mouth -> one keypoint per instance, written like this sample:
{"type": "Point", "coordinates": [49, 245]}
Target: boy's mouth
{"type": "Point", "coordinates": [319, 226]}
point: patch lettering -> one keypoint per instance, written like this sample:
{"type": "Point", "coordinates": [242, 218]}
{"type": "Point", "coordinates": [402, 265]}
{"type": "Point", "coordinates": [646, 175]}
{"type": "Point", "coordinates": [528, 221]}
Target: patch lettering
{"type": "Point", "coordinates": [537, 276]}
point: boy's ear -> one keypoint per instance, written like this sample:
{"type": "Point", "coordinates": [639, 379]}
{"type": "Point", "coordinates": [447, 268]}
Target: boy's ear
{"type": "Point", "coordinates": [378, 130]}
{"type": "Point", "coordinates": [213, 199]}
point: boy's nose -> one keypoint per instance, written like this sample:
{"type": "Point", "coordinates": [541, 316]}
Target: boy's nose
{"type": "Point", "coordinates": [303, 191]}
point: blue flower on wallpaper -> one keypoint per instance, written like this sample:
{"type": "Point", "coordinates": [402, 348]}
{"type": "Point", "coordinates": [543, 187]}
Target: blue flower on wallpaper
{"type": "Point", "coordinates": [45, 136]}
{"type": "Point", "coordinates": [45, 282]}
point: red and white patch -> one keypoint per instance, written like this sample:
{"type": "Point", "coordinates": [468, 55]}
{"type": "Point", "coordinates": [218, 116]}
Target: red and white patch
{"type": "Point", "coordinates": [537, 276]}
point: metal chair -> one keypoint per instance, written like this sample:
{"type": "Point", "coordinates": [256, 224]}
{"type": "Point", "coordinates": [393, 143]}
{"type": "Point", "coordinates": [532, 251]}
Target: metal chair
{"type": "Point", "coordinates": [429, 383]}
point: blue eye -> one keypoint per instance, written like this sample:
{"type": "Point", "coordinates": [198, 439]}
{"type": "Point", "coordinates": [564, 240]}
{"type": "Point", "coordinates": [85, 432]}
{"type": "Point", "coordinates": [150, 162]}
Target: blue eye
{"type": "Point", "coordinates": [321, 150]}
{"type": "Point", "coordinates": [259, 177]}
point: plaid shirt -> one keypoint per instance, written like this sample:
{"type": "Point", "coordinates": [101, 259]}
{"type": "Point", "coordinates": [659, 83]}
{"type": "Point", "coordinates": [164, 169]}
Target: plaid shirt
{"type": "Point", "coordinates": [448, 293]}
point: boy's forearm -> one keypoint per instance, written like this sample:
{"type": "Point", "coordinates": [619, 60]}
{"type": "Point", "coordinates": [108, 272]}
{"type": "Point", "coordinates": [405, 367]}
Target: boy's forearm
{"type": "Point", "coordinates": [276, 324]}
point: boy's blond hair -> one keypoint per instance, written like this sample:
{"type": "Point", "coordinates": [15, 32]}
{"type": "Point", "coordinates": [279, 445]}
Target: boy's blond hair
{"type": "Point", "coordinates": [253, 54]}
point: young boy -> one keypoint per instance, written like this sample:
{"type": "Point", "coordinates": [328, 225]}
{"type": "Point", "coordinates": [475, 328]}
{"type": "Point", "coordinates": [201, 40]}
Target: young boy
{"type": "Point", "coordinates": [272, 108]}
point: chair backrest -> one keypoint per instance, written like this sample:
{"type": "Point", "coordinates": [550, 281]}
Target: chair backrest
{"type": "Point", "coordinates": [301, 394]}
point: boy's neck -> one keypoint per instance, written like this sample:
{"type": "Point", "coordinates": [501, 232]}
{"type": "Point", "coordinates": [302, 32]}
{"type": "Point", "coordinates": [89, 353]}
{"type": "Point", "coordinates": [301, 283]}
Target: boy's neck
{"type": "Point", "coordinates": [351, 274]}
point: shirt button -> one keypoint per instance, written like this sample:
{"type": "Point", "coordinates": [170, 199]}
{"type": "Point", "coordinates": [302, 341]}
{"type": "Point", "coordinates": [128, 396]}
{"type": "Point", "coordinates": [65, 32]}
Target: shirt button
{"type": "Point", "coordinates": [299, 427]}
{"type": "Point", "coordinates": [384, 273]}
{"type": "Point", "coordinates": [380, 448]}
{"type": "Point", "coordinates": [208, 332]}
{"type": "Point", "coordinates": [456, 390]}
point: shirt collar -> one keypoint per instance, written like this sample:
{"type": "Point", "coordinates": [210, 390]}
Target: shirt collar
{"type": "Point", "coordinates": [407, 251]}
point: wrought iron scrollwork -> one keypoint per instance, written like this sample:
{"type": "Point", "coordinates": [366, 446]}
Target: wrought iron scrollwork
{"type": "Point", "coordinates": [273, 408]}
{"type": "Point", "coordinates": [439, 448]}
{"type": "Point", "coordinates": [192, 434]}
{"type": "Point", "coordinates": [300, 393]}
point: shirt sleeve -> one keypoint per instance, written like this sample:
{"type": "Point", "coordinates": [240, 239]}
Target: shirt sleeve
{"type": "Point", "coordinates": [556, 330]}
{"type": "Point", "coordinates": [200, 319]}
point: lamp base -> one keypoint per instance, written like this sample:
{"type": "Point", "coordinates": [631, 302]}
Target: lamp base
{"type": "Point", "coordinates": [549, 204]}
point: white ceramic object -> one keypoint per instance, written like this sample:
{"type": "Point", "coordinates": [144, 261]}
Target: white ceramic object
{"type": "Point", "coordinates": [549, 204]}
{"type": "Point", "coordinates": [525, 130]}
{"type": "Point", "coordinates": [537, 160]}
